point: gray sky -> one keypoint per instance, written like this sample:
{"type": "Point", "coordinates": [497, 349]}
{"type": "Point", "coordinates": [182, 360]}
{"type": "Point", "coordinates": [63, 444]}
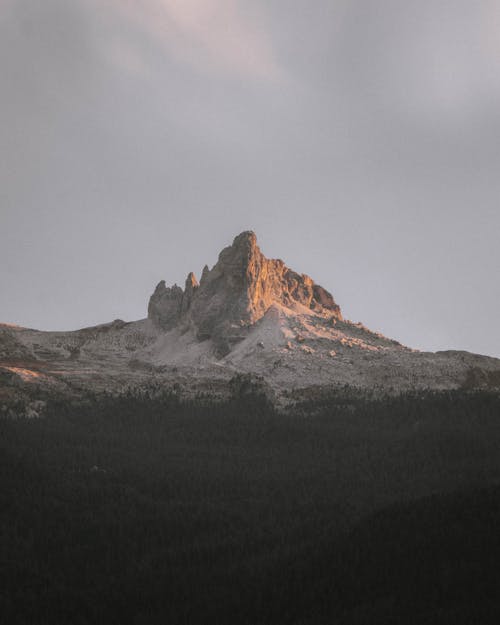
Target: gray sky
{"type": "Point", "coordinates": [360, 140]}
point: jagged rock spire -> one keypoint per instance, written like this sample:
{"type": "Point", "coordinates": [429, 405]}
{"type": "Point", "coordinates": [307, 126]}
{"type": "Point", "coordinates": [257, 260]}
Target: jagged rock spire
{"type": "Point", "coordinates": [164, 305]}
{"type": "Point", "coordinates": [190, 289]}
{"type": "Point", "coordinates": [237, 292]}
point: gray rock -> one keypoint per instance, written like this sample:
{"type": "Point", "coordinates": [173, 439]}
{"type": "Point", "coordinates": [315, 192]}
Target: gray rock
{"type": "Point", "coordinates": [236, 293]}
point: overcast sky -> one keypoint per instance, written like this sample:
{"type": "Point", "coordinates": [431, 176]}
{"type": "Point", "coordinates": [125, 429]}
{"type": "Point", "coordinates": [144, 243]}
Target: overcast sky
{"type": "Point", "coordinates": [359, 139]}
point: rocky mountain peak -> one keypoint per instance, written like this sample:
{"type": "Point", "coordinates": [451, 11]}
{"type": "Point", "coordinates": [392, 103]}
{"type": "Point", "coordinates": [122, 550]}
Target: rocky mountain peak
{"type": "Point", "coordinates": [248, 314]}
{"type": "Point", "coordinates": [245, 246]}
{"type": "Point", "coordinates": [236, 293]}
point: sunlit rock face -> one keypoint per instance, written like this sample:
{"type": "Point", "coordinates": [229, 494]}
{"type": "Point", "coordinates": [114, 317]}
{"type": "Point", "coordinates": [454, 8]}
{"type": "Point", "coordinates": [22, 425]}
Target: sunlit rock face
{"type": "Point", "coordinates": [190, 290]}
{"type": "Point", "coordinates": [236, 293]}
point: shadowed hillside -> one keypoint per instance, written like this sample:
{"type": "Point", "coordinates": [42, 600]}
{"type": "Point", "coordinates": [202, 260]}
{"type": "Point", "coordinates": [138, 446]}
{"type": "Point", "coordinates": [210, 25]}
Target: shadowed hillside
{"type": "Point", "coordinates": [151, 511]}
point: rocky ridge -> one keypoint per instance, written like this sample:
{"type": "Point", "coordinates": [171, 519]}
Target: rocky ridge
{"type": "Point", "coordinates": [248, 315]}
{"type": "Point", "coordinates": [235, 294]}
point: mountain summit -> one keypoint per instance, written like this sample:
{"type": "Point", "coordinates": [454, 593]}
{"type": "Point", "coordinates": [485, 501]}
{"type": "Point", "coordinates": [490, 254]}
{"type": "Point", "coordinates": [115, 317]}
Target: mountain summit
{"type": "Point", "coordinates": [237, 292]}
{"type": "Point", "coordinates": [247, 315]}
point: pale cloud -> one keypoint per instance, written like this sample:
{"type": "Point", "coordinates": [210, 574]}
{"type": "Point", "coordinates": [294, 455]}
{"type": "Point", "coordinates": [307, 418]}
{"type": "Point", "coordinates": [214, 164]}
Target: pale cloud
{"type": "Point", "coordinates": [455, 71]}
{"type": "Point", "coordinates": [211, 35]}
{"type": "Point", "coordinates": [442, 65]}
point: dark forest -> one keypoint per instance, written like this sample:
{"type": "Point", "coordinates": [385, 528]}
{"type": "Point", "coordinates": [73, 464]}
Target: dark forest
{"type": "Point", "coordinates": [138, 511]}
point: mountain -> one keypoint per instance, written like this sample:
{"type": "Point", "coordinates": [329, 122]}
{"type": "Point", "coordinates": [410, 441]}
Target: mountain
{"type": "Point", "coordinates": [248, 315]}
{"type": "Point", "coordinates": [232, 297]}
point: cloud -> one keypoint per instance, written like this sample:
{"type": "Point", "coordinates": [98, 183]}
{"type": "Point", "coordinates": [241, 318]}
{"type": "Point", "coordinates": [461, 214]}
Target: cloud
{"type": "Point", "coordinates": [429, 61]}
{"type": "Point", "coordinates": [360, 131]}
{"type": "Point", "coordinates": [211, 35]}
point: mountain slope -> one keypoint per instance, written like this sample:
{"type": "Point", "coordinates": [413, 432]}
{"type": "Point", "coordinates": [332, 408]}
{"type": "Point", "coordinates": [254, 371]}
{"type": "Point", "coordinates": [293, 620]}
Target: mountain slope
{"type": "Point", "coordinates": [248, 314]}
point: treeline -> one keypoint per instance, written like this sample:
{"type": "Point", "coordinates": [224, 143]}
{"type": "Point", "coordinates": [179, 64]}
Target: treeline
{"type": "Point", "coordinates": [148, 509]}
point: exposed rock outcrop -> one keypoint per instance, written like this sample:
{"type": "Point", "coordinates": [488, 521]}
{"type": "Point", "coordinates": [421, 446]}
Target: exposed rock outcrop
{"type": "Point", "coordinates": [165, 305]}
{"type": "Point", "coordinates": [250, 318]}
{"type": "Point", "coordinates": [236, 293]}
{"type": "Point", "coordinates": [190, 289]}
